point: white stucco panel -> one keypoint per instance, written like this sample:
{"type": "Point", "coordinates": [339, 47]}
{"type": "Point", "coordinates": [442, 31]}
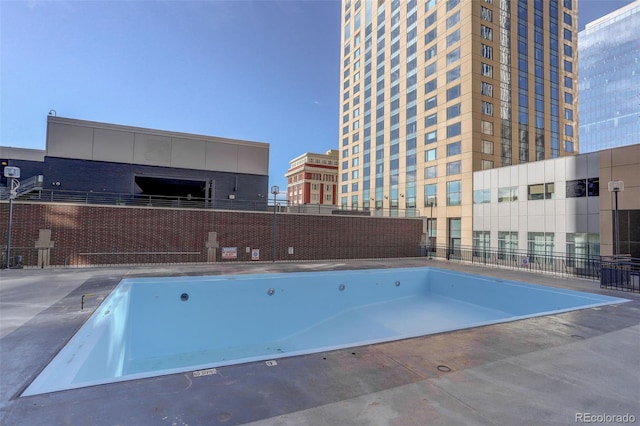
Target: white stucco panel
{"type": "Point", "coordinates": [113, 145]}
{"type": "Point", "coordinates": [69, 141]}
{"type": "Point", "coordinates": [188, 153]}
{"type": "Point", "coordinates": [536, 223]}
{"type": "Point", "coordinates": [253, 159]}
{"type": "Point", "coordinates": [535, 173]}
{"type": "Point", "coordinates": [222, 156]}
{"type": "Point", "coordinates": [576, 167]}
{"type": "Point", "coordinates": [152, 150]}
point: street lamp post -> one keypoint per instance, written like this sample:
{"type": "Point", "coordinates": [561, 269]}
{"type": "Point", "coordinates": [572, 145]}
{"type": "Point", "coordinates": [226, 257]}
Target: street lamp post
{"type": "Point", "coordinates": [616, 186]}
{"type": "Point", "coordinates": [274, 190]}
{"type": "Point", "coordinates": [12, 174]}
{"type": "Point", "coordinates": [430, 225]}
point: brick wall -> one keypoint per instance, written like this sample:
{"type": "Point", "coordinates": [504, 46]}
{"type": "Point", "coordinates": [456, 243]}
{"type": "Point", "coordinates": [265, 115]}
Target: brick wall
{"type": "Point", "coordinates": [120, 231]}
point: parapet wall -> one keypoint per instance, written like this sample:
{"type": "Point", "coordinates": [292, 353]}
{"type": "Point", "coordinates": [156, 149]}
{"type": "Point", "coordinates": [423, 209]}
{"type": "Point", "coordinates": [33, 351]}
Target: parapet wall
{"type": "Point", "coordinates": [48, 234]}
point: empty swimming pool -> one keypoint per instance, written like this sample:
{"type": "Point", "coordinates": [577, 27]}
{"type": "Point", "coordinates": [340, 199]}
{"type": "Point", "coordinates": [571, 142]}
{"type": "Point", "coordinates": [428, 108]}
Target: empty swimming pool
{"type": "Point", "coordinates": [155, 326]}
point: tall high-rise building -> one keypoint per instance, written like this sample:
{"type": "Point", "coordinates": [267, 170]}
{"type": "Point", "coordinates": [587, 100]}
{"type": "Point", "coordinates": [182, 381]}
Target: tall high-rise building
{"type": "Point", "coordinates": [433, 90]}
{"type": "Point", "coordinates": [609, 52]}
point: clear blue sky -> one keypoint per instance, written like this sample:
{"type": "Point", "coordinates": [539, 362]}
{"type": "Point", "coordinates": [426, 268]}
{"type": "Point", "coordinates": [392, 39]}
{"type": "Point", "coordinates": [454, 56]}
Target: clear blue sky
{"type": "Point", "coordinates": [265, 71]}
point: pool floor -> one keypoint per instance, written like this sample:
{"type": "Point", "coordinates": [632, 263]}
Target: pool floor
{"type": "Point", "coordinates": [381, 322]}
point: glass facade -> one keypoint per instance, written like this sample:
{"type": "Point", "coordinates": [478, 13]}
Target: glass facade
{"type": "Point", "coordinates": [610, 81]}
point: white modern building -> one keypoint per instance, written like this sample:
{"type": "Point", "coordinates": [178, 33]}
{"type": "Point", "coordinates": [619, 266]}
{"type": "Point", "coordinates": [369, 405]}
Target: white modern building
{"type": "Point", "coordinates": [539, 208]}
{"type": "Point", "coordinates": [559, 206]}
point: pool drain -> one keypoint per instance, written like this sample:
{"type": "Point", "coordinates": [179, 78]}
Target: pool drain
{"type": "Point", "coordinates": [341, 287]}
{"type": "Point", "coordinates": [184, 297]}
{"type": "Point", "coordinates": [270, 292]}
{"type": "Point", "coordinates": [397, 283]}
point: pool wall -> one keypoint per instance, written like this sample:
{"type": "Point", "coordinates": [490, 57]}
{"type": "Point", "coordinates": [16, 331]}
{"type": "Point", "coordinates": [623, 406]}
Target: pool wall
{"type": "Point", "coordinates": [514, 298]}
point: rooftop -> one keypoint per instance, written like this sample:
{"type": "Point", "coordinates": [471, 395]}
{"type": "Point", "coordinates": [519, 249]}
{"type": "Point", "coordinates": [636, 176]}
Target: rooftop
{"type": "Point", "coordinates": [550, 368]}
{"type": "Point", "coordinates": [612, 17]}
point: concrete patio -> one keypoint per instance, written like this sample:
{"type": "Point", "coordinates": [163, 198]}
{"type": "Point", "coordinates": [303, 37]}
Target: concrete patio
{"type": "Point", "coordinates": [558, 369]}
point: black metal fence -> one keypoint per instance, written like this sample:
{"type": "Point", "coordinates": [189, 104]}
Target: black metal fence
{"type": "Point", "coordinates": [620, 273]}
{"type": "Point", "coordinates": [554, 263]}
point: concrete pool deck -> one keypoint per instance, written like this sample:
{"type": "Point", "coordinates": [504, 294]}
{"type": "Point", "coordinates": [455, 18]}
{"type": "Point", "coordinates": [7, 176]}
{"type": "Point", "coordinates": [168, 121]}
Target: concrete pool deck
{"type": "Point", "coordinates": [545, 370]}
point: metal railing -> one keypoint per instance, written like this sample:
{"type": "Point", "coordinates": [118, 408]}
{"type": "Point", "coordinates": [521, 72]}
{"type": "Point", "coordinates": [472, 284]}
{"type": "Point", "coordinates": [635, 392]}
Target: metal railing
{"type": "Point", "coordinates": [349, 210]}
{"type": "Point", "coordinates": [143, 200]}
{"type": "Point", "coordinates": [553, 263]}
{"type": "Point", "coordinates": [189, 202]}
{"type": "Point", "coordinates": [620, 273]}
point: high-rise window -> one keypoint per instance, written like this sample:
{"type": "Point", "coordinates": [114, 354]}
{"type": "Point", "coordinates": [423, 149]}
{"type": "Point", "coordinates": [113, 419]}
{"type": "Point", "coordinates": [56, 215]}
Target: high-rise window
{"type": "Point", "coordinates": [454, 167]}
{"type": "Point", "coordinates": [453, 111]}
{"type": "Point", "coordinates": [431, 137]}
{"type": "Point", "coordinates": [486, 70]}
{"type": "Point", "coordinates": [453, 56]}
{"type": "Point", "coordinates": [486, 127]}
{"type": "Point", "coordinates": [453, 38]}
{"type": "Point", "coordinates": [453, 19]}
{"type": "Point", "coordinates": [432, 102]}
{"type": "Point", "coordinates": [431, 52]}
{"type": "Point", "coordinates": [454, 193]}
{"type": "Point", "coordinates": [487, 108]}
{"type": "Point", "coordinates": [431, 19]}
{"type": "Point", "coordinates": [451, 4]}
{"type": "Point", "coordinates": [486, 89]}
{"type": "Point", "coordinates": [487, 147]}
{"type": "Point", "coordinates": [486, 14]}
{"type": "Point", "coordinates": [430, 195]}
{"type": "Point", "coordinates": [487, 51]}
{"type": "Point", "coordinates": [453, 92]}
{"type": "Point", "coordinates": [431, 36]}
{"type": "Point", "coordinates": [453, 74]}
{"type": "Point", "coordinates": [454, 148]}
{"type": "Point", "coordinates": [430, 86]}
{"type": "Point", "coordinates": [486, 32]}
{"type": "Point", "coordinates": [454, 129]}
{"type": "Point", "coordinates": [430, 69]}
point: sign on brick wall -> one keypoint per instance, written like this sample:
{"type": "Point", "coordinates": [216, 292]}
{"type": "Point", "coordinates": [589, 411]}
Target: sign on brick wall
{"type": "Point", "coordinates": [229, 252]}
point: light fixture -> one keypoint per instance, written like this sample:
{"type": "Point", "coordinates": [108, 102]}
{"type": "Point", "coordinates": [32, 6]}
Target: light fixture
{"type": "Point", "coordinates": [274, 190]}
{"type": "Point", "coordinates": [616, 186]}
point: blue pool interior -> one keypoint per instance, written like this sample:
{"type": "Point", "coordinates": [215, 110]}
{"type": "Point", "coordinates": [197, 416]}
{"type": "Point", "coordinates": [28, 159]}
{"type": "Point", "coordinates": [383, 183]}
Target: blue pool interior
{"type": "Point", "coordinates": [154, 326]}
